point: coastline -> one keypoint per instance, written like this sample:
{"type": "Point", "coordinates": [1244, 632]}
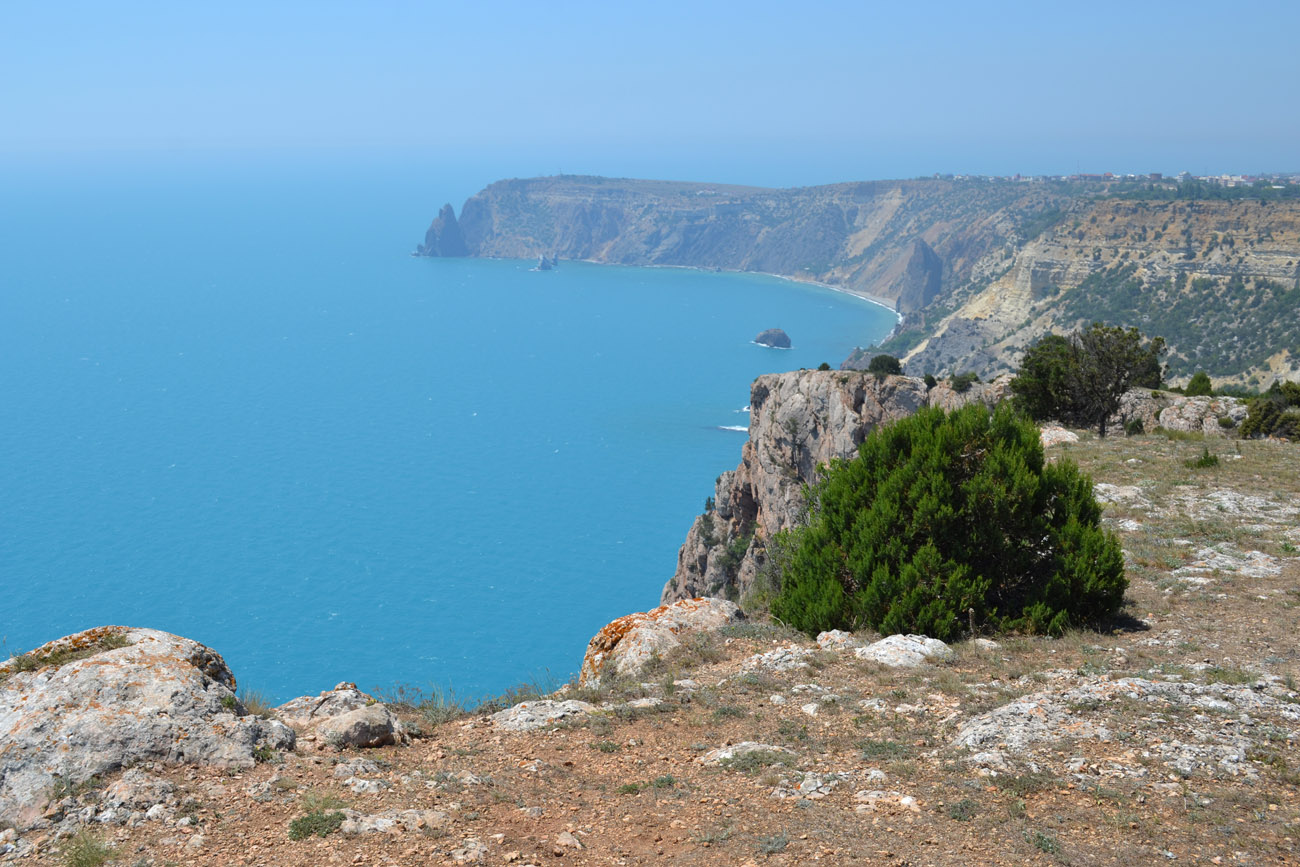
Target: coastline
{"type": "Point", "coordinates": [862, 296]}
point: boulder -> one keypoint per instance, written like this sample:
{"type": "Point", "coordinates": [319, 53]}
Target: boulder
{"type": "Point", "coordinates": [532, 715]}
{"type": "Point", "coordinates": [343, 717]}
{"type": "Point", "coordinates": [773, 337]}
{"type": "Point", "coordinates": [113, 696]}
{"type": "Point", "coordinates": [733, 752]}
{"type": "Point", "coordinates": [904, 651]}
{"type": "Point", "coordinates": [624, 646]}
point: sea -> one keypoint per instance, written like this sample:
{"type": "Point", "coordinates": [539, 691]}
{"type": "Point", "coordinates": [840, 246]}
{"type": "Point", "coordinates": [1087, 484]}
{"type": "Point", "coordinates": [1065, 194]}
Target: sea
{"type": "Point", "coordinates": [234, 407]}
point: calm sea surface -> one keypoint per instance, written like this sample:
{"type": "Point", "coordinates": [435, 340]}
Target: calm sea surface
{"type": "Point", "coordinates": [233, 407]}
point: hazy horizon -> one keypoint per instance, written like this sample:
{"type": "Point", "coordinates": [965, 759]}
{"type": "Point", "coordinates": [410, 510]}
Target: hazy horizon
{"type": "Point", "coordinates": [710, 92]}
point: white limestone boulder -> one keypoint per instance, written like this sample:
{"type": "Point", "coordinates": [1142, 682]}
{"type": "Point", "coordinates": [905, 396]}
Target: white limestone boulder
{"type": "Point", "coordinates": [113, 696]}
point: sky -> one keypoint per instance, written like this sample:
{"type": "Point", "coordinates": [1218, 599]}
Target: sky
{"type": "Point", "coordinates": [746, 92]}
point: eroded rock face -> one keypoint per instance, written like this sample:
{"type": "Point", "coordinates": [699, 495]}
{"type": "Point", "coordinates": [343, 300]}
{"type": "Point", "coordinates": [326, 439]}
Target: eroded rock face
{"type": "Point", "coordinates": [797, 421]}
{"type": "Point", "coordinates": [159, 697]}
{"type": "Point", "coordinates": [624, 646]}
{"type": "Point", "coordinates": [344, 717]}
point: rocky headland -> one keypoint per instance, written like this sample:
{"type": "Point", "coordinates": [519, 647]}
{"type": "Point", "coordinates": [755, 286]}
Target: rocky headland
{"type": "Point", "coordinates": [979, 268]}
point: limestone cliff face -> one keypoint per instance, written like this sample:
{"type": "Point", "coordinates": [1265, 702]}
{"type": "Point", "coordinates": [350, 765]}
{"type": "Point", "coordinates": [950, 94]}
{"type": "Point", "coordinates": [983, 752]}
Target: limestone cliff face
{"type": "Point", "coordinates": [902, 242]}
{"type": "Point", "coordinates": [797, 421]}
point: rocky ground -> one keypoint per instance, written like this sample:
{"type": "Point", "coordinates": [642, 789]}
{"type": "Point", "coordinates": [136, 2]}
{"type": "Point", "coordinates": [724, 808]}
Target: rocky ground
{"type": "Point", "coordinates": [1171, 736]}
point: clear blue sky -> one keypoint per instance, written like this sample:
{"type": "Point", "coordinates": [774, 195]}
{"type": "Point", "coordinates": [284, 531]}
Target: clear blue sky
{"type": "Point", "coordinates": [789, 92]}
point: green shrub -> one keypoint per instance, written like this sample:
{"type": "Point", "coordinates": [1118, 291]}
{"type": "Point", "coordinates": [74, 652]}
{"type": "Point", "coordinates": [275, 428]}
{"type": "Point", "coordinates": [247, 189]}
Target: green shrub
{"type": "Point", "coordinates": [319, 824]}
{"type": "Point", "coordinates": [1205, 460]}
{"type": "Point", "coordinates": [930, 381]}
{"type": "Point", "coordinates": [1199, 385]}
{"type": "Point", "coordinates": [962, 382]}
{"type": "Point", "coordinates": [1270, 414]}
{"type": "Point", "coordinates": [1134, 427]}
{"type": "Point", "coordinates": [885, 365]}
{"type": "Point", "coordinates": [825, 365]}
{"type": "Point", "coordinates": [940, 514]}
{"type": "Point", "coordinates": [86, 849]}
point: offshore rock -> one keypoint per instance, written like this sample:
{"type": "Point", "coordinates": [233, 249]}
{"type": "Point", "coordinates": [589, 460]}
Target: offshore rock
{"type": "Point", "coordinates": [132, 696]}
{"type": "Point", "coordinates": [774, 337]}
{"type": "Point", "coordinates": [444, 237]}
{"type": "Point", "coordinates": [797, 421]}
{"type": "Point", "coordinates": [344, 717]}
{"type": "Point", "coordinates": [624, 646]}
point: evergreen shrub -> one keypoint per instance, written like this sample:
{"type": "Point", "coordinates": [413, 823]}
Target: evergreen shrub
{"type": "Point", "coordinates": [943, 513]}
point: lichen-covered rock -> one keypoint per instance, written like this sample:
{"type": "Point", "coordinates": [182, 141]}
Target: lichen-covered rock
{"type": "Point", "coordinates": [393, 821]}
{"type": "Point", "coordinates": [625, 645]}
{"type": "Point", "coordinates": [1053, 435]}
{"type": "Point", "coordinates": [785, 658]}
{"type": "Point", "coordinates": [532, 715]}
{"type": "Point", "coordinates": [737, 751]}
{"type": "Point", "coordinates": [114, 696]}
{"type": "Point", "coordinates": [138, 790]}
{"type": "Point", "coordinates": [904, 651]}
{"type": "Point", "coordinates": [343, 717]}
{"type": "Point", "coordinates": [835, 639]}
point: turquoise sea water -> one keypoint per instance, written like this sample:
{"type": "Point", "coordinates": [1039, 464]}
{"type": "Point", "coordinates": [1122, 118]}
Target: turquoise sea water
{"type": "Point", "coordinates": [235, 408]}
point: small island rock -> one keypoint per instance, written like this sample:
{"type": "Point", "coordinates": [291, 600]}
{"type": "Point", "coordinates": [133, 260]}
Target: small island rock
{"type": "Point", "coordinates": [773, 337]}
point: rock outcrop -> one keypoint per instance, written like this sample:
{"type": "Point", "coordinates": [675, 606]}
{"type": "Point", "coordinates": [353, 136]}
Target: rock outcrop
{"type": "Point", "coordinates": [111, 697]}
{"type": "Point", "coordinates": [624, 646]}
{"type": "Point", "coordinates": [1212, 416]}
{"type": "Point", "coordinates": [774, 337]}
{"type": "Point", "coordinates": [444, 237]}
{"type": "Point", "coordinates": [797, 421]}
{"type": "Point", "coordinates": [343, 717]}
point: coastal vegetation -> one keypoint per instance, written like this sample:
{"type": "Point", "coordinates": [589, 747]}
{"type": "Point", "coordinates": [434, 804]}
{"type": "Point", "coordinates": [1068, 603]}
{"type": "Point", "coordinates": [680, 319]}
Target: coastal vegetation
{"type": "Point", "coordinates": [946, 524]}
{"type": "Point", "coordinates": [1080, 379]}
{"type": "Point", "coordinates": [1275, 413]}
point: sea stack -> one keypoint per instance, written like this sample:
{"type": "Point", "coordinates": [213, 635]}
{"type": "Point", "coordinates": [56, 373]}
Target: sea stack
{"type": "Point", "coordinates": [444, 237]}
{"type": "Point", "coordinates": [773, 337]}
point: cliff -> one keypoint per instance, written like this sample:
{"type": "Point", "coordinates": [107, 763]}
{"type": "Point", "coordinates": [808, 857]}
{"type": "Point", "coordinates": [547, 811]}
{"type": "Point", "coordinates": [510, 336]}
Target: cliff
{"type": "Point", "coordinates": [806, 418]}
{"type": "Point", "coordinates": [797, 421]}
{"type": "Point", "coordinates": [896, 241]}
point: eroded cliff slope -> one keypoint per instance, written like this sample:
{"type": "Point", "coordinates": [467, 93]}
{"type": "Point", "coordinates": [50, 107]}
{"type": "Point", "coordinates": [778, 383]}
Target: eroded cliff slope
{"type": "Point", "coordinates": [902, 242]}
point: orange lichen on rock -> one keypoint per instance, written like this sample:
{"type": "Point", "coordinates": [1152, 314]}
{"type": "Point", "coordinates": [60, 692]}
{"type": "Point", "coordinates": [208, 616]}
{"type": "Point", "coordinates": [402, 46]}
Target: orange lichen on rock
{"type": "Point", "coordinates": [635, 638]}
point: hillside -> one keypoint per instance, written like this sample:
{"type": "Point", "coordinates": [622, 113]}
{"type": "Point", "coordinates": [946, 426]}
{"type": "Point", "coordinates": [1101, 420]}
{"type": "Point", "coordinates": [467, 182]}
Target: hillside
{"type": "Point", "coordinates": [1171, 737]}
{"type": "Point", "coordinates": [979, 267]}
{"type": "Point", "coordinates": [1216, 279]}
